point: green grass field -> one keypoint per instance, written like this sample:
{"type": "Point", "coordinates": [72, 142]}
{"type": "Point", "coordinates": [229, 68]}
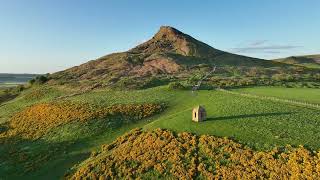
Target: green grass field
{"type": "Point", "coordinates": [311, 65]}
{"type": "Point", "coordinates": [260, 124]}
{"type": "Point", "coordinates": [9, 85]}
{"type": "Point", "coordinates": [76, 139]}
{"type": "Point", "coordinates": [298, 94]}
{"type": "Point", "coordinates": [2, 92]}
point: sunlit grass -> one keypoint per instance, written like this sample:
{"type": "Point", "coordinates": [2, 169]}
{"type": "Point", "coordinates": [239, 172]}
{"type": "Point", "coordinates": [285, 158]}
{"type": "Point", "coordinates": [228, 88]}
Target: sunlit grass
{"type": "Point", "coordinates": [299, 94]}
{"type": "Point", "coordinates": [260, 124]}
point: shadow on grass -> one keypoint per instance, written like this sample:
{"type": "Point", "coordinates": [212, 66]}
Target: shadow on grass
{"type": "Point", "coordinates": [23, 158]}
{"type": "Point", "coordinates": [248, 116]}
{"type": "Point", "coordinates": [6, 97]}
{"type": "Point", "coordinates": [45, 159]}
{"type": "Point", "coordinates": [59, 167]}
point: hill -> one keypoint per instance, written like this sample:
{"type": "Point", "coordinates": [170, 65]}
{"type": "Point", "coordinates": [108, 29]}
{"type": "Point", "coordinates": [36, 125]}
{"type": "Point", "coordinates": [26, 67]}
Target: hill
{"type": "Point", "coordinates": [46, 129]}
{"type": "Point", "coordinates": [168, 52]}
{"type": "Point", "coordinates": [311, 61]}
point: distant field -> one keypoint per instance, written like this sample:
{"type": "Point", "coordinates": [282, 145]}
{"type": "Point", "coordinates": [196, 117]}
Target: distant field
{"type": "Point", "coordinates": [298, 94]}
{"type": "Point", "coordinates": [311, 65]}
{"type": "Point", "coordinates": [8, 85]}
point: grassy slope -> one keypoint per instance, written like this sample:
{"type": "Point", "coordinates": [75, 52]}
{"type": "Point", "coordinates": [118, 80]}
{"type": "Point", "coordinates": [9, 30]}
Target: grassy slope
{"type": "Point", "coordinates": [80, 149]}
{"type": "Point", "coordinates": [307, 60]}
{"type": "Point", "coordinates": [6, 85]}
{"type": "Point", "coordinates": [78, 139]}
{"type": "Point", "coordinates": [27, 98]}
{"type": "Point", "coordinates": [258, 123]}
{"type": "Point", "coordinates": [298, 94]}
{"type": "Point", "coordinates": [83, 146]}
{"type": "Point", "coordinates": [311, 65]}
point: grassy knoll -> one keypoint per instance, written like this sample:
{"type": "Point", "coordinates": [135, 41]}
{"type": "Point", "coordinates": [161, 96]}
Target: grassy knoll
{"type": "Point", "coordinates": [298, 94]}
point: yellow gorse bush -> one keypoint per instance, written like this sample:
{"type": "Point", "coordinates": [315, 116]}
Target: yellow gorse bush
{"type": "Point", "coordinates": [35, 121]}
{"type": "Point", "coordinates": [187, 156]}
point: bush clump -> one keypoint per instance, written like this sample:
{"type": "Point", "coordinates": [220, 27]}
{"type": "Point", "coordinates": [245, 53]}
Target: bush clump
{"type": "Point", "coordinates": [186, 156]}
{"type": "Point", "coordinates": [39, 80]}
{"type": "Point", "coordinates": [176, 85]}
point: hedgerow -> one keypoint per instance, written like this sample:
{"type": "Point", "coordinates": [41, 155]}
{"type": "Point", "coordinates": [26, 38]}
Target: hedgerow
{"type": "Point", "coordinates": [187, 156]}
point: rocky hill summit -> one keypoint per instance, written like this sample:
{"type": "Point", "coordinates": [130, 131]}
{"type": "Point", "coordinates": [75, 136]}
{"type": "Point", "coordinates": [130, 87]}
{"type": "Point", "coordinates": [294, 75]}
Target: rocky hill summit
{"type": "Point", "coordinates": [171, 40]}
{"type": "Point", "coordinates": [168, 52]}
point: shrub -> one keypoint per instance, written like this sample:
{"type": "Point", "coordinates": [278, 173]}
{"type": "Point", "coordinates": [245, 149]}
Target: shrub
{"type": "Point", "coordinates": [39, 79]}
{"type": "Point", "coordinates": [282, 77]}
{"type": "Point", "coordinates": [175, 85]}
{"type": "Point", "coordinates": [20, 88]}
{"type": "Point", "coordinates": [154, 81]}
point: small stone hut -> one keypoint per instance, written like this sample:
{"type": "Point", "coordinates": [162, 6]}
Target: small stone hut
{"type": "Point", "coordinates": [199, 114]}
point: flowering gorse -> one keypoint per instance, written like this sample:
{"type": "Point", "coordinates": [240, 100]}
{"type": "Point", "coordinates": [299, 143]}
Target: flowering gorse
{"type": "Point", "coordinates": [187, 156]}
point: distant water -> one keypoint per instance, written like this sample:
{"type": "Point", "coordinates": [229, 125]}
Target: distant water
{"type": "Point", "coordinates": [12, 79]}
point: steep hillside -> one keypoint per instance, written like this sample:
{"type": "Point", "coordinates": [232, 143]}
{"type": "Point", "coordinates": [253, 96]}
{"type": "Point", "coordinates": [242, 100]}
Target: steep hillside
{"type": "Point", "coordinates": [312, 61]}
{"type": "Point", "coordinates": [168, 52]}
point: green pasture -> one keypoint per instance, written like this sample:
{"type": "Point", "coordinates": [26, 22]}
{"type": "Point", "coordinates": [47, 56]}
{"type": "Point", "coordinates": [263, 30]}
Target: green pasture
{"type": "Point", "coordinates": [260, 124]}
{"type": "Point", "coordinates": [311, 95]}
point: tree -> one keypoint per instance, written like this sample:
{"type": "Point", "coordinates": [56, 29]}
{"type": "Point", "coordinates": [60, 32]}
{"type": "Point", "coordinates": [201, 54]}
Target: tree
{"type": "Point", "coordinates": [39, 79]}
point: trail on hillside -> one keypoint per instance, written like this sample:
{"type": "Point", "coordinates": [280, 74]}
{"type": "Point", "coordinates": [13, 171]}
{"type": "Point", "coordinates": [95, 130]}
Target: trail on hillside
{"type": "Point", "coordinates": [197, 86]}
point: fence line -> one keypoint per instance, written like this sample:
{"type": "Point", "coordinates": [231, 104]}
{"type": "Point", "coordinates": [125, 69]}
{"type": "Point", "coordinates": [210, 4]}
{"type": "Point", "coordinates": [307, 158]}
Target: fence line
{"type": "Point", "coordinates": [272, 99]}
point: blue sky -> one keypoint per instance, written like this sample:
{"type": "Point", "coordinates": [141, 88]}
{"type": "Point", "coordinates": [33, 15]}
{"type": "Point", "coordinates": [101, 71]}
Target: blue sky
{"type": "Point", "coordinates": [39, 36]}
